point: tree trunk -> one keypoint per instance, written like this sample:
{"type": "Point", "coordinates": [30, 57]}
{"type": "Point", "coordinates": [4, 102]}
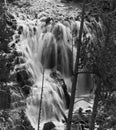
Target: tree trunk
{"type": "Point", "coordinates": [76, 70]}
{"type": "Point", "coordinates": [95, 106]}
{"type": "Point", "coordinates": [40, 105]}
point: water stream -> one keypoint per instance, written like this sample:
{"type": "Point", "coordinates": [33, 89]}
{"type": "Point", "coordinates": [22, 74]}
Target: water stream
{"type": "Point", "coordinates": [48, 47]}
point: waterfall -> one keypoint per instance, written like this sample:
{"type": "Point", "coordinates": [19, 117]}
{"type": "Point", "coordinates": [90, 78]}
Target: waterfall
{"type": "Point", "coordinates": [48, 47]}
{"type": "Point", "coordinates": [43, 47]}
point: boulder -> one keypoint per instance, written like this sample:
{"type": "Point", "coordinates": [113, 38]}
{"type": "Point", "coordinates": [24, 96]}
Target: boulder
{"type": "Point", "coordinates": [49, 126]}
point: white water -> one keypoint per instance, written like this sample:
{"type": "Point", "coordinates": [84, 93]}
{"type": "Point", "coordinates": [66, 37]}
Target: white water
{"type": "Point", "coordinates": [50, 48]}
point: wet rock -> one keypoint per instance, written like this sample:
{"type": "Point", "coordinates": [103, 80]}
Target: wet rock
{"type": "Point", "coordinates": [58, 78]}
{"type": "Point", "coordinates": [49, 126]}
{"type": "Point", "coordinates": [26, 90]}
{"type": "Point", "coordinates": [22, 77]}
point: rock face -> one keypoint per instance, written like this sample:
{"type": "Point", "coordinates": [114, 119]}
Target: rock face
{"type": "Point", "coordinates": [59, 79]}
{"type": "Point", "coordinates": [48, 126]}
{"type": "Point", "coordinates": [5, 100]}
{"type": "Point", "coordinates": [23, 80]}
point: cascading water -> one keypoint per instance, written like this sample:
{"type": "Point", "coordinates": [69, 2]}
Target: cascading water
{"type": "Point", "coordinates": [48, 50]}
{"type": "Point", "coordinates": [47, 47]}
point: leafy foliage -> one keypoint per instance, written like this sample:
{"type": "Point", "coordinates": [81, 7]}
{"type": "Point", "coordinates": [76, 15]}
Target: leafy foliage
{"type": "Point", "coordinates": [9, 122]}
{"type": "Point", "coordinates": [99, 56]}
{"type": "Point", "coordinates": [106, 117]}
{"type": "Point", "coordinates": [6, 57]}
